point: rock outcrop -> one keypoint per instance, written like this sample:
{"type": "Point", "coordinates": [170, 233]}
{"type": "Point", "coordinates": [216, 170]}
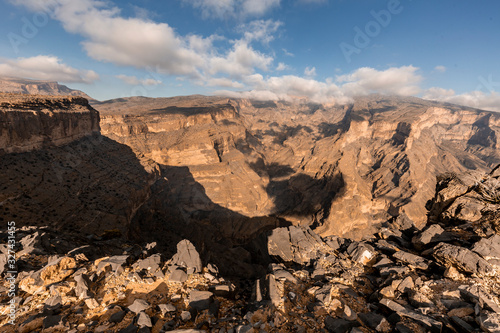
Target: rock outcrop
{"type": "Point", "coordinates": [29, 122]}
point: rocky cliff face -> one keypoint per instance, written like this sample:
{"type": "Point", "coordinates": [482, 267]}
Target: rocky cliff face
{"type": "Point", "coordinates": [340, 169]}
{"type": "Point", "coordinates": [56, 168]}
{"type": "Point", "coordinates": [29, 122]}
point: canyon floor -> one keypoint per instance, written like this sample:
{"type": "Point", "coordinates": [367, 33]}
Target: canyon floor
{"type": "Point", "coordinates": [208, 214]}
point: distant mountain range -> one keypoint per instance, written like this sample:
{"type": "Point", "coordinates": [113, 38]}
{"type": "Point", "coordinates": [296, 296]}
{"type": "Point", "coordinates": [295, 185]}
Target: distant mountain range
{"type": "Point", "coordinates": [36, 87]}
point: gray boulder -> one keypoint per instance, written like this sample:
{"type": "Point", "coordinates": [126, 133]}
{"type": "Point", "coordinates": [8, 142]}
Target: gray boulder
{"type": "Point", "coordinates": [296, 244]}
{"type": "Point", "coordinates": [187, 257]}
{"type": "Point", "coordinates": [138, 306]}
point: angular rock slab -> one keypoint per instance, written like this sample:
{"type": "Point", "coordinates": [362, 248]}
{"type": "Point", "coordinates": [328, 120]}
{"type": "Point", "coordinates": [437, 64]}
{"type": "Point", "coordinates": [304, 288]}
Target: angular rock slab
{"type": "Point", "coordinates": [187, 257]}
{"type": "Point", "coordinates": [488, 248]}
{"type": "Point", "coordinates": [489, 321]}
{"type": "Point", "coordinates": [296, 244]}
{"type": "Point", "coordinates": [432, 324]}
{"type": "Point", "coordinates": [200, 300]}
{"type": "Point", "coordinates": [462, 258]}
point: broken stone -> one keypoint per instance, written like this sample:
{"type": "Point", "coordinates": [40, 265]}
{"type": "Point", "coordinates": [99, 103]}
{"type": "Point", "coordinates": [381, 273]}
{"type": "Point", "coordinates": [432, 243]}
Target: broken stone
{"type": "Point", "coordinates": [187, 257]}
{"type": "Point", "coordinates": [453, 274]}
{"type": "Point", "coordinates": [151, 263]}
{"type": "Point", "coordinates": [386, 246]}
{"type": "Point", "coordinates": [406, 285]}
{"type": "Point", "coordinates": [117, 317]}
{"type": "Point", "coordinates": [91, 303]}
{"type": "Point", "coordinates": [463, 259]}
{"type": "Point", "coordinates": [165, 308]}
{"type": "Point", "coordinates": [143, 320]}
{"type": "Point", "coordinates": [488, 248]}
{"type": "Point", "coordinates": [129, 329]}
{"type": "Point", "coordinates": [394, 270]}
{"type": "Point", "coordinates": [403, 223]}
{"type": "Point", "coordinates": [185, 315]}
{"type": "Point", "coordinates": [177, 275]}
{"type": "Point", "coordinates": [222, 290]}
{"type": "Point", "coordinates": [361, 252]}
{"type": "Point", "coordinates": [462, 325]}
{"type": "Point", "coordinates": [387, 292]}
{"type": "Point", "coordinates": [200, 300]}
{"type": "Point", "coordinates": [489, 321]}
{"type": "Point", "coordinates": [138, 306]}
{"type": "Point", "coordinates": [432, 324]}
{"type": "Point", "coordinates": [383, 262]}
{"type": "Point", "coordinates": [348, 314]}
{"type": "Point", "coordinates": [275, 291]}
{"type": "Point", "coordinates": [296, 244]}
{"type": "Point", "coordinates": [114, 264]}
{"type": "Point", "coordinates": [53, 322]}
{"type": "Point", "coordinates": [411, 260]}
{"type": "Point", "coordinates": [419, 300]}
{"type": "Point", "coordinates": [334, 325]}
{"type": "Point", "coordinates": [375, 321]}
{"type": "Point", "coordinates": [461, 312]}
{"type": "Point", "coordinates": [82, 286]}
{"type": "Point", "coordinates": [479, 296]}
{"type": "Point", "coordinates": [57, 270]}
{"type": "Point", "coordinates": [433, 234]}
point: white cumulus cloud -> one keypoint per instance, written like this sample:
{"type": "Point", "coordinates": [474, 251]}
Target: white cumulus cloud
{"type": "Point", "coordinates": [157, 47]}
{"type": "Point", "coordinates": [222, 9]}
{"type": "Point", "coordinates": [45, 67]}
{"type": "Point", "coordinates": [403, 81]}
{"type": "Point", "coordinates": [134, 81]}
{"type": "Point", "coordinates": [260, 30]}
{"type": "Point", "coordinates": [393, 81]}
{"type": "Point", "coordinates": [474, 99]}
{"type": "Point", "coordinates": [242, 59]}
{"type": "Point", "coordinates": [310, 72]}
{"type": "Point", "coordinates": [282, 66]}
{"type": "Point", "coordinates": [440, 69]}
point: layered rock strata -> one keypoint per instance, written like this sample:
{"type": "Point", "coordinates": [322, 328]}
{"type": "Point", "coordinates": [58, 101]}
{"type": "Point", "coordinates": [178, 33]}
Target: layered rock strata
{"type": "Point", "coordinates": [340, 169]}
{"type": "Point", "coordinates": [29, 122]}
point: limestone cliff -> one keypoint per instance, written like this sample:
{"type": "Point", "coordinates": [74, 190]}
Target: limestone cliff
{"type": "Point", "coordinates": [341, 169]}
{"type": "Point", "coordinates": [29, 122]}
{"type": "Point", "coordinates": [56, 169]}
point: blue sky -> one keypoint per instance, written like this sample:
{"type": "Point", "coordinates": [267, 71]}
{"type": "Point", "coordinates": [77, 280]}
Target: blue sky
{"type": "Point", "coordinates": [326, 50]}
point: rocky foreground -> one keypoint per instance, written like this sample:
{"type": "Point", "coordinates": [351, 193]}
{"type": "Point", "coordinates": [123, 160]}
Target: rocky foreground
{"type": "Point", "coordinates": [443, 278]}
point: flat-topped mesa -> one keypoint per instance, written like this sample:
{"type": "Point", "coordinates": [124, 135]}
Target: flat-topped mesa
{"type": "Point", "coordinates": [29, 122]}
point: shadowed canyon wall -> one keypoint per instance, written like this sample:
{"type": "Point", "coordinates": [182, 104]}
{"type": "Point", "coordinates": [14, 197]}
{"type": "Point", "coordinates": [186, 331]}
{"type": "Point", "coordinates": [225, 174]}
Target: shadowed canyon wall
{"type": "Point", "coordinates": [341, 169]}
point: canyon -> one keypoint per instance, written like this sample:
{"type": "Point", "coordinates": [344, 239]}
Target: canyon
{"type": "Point", "coordinates": [341, 169]}
{"type": "Point", "coordinates": [216, 214]}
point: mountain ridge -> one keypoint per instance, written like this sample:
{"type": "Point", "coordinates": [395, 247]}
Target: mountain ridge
{"type": "Point", "coordinates": [38, 87]}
